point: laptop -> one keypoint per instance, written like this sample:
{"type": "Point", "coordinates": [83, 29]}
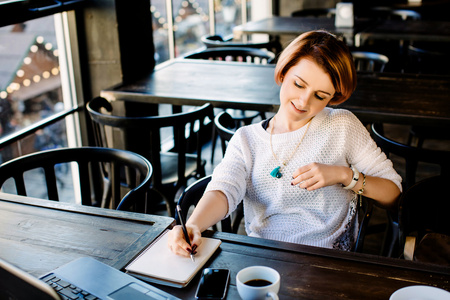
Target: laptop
{"type": "Point", "coordinates": [85, 278]}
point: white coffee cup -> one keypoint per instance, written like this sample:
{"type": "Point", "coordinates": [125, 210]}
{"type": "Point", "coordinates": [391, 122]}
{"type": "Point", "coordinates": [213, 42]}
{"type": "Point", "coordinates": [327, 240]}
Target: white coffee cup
{"type": "Point", "coordinates": [258, 283]}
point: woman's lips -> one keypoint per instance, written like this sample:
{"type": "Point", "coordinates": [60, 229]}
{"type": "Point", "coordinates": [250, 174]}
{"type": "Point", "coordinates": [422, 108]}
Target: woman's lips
{"type": "Point", "coordinates": [300, 110]}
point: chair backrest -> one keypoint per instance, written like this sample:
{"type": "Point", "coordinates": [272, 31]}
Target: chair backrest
{"type": "Point", "coordinates": [103, 172]}
{"type": "Point", "coordinates": [369, 61]}
{"type": "Point", "coordinates": [411, 155]}
{"type": "Point", "coordinates": [424, 209]}
{"type": "Point", "coordinates": [141, 134]}
{"type": "Point", "coordinates": [315, 12]}
{"type": "Point", "coordinates": [225, 127]}
{"type": "Point", "coordinates": [365, 211]}
{"type": "Point", "coordinates": [428, 58]}
{"type": "Point", "coordinates": [190, 198]}
{"type": "Point", "coordinates": [236, 54]}
{"type": "Point", "coordinates": [405, 14]}
{"type": "Point", "coordinates": [217, 41]}
{"type": "Point", "coordinates": [389, 13]}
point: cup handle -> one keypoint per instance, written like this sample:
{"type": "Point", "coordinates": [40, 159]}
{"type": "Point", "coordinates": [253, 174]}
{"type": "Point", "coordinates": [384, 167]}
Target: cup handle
{"type": "Point", "coordinates": [272, 295]}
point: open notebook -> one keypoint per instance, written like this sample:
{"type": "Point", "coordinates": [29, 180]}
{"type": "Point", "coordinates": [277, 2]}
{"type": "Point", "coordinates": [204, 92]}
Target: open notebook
{"type": "Point", "coordinates": [157, 263]}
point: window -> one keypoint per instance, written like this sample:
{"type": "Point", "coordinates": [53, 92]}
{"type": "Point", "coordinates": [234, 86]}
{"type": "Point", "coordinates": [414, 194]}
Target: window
{"type": "Point", "coordinates": [33, 90]}
{"type": "Point", "coordinates": [178, 25]}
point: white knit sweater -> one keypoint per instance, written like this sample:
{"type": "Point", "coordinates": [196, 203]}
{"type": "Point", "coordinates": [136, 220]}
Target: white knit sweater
{"type": "Point", "coordinates": [274, 209]}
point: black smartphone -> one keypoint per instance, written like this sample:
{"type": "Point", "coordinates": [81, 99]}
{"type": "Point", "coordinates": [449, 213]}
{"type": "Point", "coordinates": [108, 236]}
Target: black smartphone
{"type": "Point", "coordinates": [213, 284]}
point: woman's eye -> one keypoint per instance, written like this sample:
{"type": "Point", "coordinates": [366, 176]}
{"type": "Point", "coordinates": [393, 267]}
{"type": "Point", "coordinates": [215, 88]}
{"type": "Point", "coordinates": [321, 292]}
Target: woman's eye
{"type": "Point", "coordinates": [297, 84]}
{"type": "Point", "coordinates": [318, 97]}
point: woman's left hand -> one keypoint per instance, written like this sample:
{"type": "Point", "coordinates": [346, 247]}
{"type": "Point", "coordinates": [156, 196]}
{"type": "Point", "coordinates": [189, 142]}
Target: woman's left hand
{"type": "Point", "coordinates": [314, 176]}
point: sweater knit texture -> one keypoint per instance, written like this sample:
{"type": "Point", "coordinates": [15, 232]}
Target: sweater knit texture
{"type": "Point", "coordinates": [273, 208]}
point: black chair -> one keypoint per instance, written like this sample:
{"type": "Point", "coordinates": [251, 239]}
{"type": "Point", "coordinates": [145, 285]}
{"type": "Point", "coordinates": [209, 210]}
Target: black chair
{"type": "Point", "coordinates": [315, 12]}
{"type": "Point", "coordinates": [369, 61]}
{"type": "Point", "coordinates": [225, 127]}
{"type": "Point", "coordinates": [192, 195]}
{"type": "Point", "coordinates": [428, 58]}
{"type": "Point", "coordinates": [171, 169]}
{"type": "Point", "coordinates": [389, 13]}
{"type": "Point", "coordinates": [424, 210]}
{"type": "Point", "coordinates": [365, 212]}
{"type": "Point", "coordinates": [411, 156]}
{"type": "Point", "coordinates": [217, 41]}
{"type": "Point", "coordinates": [236, 54]}
{"type": "Point", "coordinates": [109, 178]}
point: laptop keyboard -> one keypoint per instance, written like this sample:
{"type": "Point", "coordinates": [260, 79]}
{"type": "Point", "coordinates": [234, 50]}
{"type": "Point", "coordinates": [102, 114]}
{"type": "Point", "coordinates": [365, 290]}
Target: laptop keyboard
{"type": "Point", "coordinates": [67, 290]}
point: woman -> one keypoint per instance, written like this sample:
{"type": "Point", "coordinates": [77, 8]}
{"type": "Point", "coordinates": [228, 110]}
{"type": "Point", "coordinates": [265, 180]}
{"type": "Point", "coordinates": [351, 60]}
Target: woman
{"type": "Point", "coordinates": [300, 172]}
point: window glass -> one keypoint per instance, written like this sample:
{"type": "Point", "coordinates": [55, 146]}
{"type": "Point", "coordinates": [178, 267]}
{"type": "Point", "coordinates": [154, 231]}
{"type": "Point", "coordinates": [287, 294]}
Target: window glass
{"type": "Point", "coordinates": [160, 30]}
{"type": "Point", "coordinates": [228, 14]}
{"type": "Point", "coordinates": [30, 83]}
{"type": "Point", "coordinates": [191, 22]}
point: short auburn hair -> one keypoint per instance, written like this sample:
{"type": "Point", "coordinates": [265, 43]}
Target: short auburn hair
{"type": "Point", "coordinates": [328, 52]}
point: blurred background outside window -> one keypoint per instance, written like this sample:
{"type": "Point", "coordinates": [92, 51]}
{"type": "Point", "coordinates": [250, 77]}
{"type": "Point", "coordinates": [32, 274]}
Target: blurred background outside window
{"type": "Point", "coordinates": [30, 85]}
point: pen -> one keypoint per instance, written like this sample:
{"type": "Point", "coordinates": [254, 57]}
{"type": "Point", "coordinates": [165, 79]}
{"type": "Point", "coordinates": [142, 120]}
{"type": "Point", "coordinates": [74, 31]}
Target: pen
{"type": "Point", "coordinates": [186, 235]}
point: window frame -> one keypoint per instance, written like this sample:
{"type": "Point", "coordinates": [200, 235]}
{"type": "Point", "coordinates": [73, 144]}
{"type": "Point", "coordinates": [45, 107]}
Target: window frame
{"type": "Point", "coordinates": [19, 11]}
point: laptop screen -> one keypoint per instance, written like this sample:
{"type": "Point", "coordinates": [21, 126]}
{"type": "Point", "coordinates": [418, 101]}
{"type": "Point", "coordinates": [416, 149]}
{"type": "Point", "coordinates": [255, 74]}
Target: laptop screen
{"type": "Point", "coordinates": [16, 284]}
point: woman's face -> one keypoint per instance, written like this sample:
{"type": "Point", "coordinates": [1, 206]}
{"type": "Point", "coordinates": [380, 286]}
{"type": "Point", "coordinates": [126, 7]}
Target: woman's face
{"type": "Point", "coordinates": [305, 91]}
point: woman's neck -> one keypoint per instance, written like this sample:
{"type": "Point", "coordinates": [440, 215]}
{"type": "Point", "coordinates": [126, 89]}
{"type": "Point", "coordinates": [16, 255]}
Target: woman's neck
{"type": "Point", "coordinates": [278, 124]}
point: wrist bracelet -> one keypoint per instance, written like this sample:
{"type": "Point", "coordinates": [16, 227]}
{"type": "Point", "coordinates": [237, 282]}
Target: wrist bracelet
{"type": "Point", "coordinates": [355, 178]}
{"type": "Point", "coordinates": [361, 190]}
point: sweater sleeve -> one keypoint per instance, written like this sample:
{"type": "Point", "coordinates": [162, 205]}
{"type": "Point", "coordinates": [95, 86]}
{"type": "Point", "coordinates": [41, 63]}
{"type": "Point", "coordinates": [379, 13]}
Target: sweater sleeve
{"type": "Point", "coordinates": [230, 175]}
{"type": "Point", "coordinates": [364, 154]}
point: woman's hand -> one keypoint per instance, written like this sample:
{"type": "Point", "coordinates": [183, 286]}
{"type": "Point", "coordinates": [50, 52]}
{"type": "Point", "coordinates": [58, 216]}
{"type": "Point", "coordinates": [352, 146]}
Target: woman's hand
{"type": "Point", "coordinates": [314, 176]}
{"type": "Point", "coordinates": [177, 243]}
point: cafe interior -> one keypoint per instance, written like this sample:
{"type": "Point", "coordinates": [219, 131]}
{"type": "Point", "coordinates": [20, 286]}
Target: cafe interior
{"type": "Point", "coordinates": [114, 112]}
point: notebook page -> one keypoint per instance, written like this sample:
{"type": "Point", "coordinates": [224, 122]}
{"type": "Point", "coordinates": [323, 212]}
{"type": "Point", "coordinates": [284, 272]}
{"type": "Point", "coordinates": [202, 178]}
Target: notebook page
{"type": "Point", "coordinates": [159, 262]}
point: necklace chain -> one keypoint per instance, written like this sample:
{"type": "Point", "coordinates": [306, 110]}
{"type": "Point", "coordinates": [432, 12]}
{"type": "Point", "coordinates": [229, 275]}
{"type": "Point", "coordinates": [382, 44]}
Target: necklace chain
{"type": "Point", "coordinates": [277, 174]}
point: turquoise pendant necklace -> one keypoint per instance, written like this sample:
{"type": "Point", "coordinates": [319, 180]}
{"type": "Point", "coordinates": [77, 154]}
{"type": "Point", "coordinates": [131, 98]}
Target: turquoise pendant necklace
{"type": "Point", "coordinates": [276, 172]}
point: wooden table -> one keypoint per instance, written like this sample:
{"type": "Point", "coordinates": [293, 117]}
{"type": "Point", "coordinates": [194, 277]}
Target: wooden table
{"type": "Point", "coordinates": [40, 235]}
{"type": "Point", "coordinates": [419, 31]}
{"type": "Point", "coordinates": [382, 97]}
{"type": "Point", "coordinates": [297, 25]}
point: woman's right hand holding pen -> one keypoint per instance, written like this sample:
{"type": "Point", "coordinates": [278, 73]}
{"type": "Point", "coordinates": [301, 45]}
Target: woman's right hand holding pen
{"type": "Point", "coordinates": [177, 243]}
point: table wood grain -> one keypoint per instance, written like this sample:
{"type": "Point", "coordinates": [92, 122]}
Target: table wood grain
{"type": "Point", "coordinates": [318, 273]}
{"type": "Point", "coordinates": [379, 97]}
{"type": "Point", "coordinates": [40, 235]}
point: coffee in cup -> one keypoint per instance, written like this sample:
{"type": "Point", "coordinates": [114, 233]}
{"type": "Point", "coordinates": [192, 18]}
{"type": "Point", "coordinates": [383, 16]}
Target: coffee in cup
{"type": "Point", "coordinates": [258, 282]}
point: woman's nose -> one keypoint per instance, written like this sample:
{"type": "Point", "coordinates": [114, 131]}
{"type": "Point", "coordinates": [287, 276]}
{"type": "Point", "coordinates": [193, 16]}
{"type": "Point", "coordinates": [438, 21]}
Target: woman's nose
{"type": "Point", "coordinates": [303, 98]}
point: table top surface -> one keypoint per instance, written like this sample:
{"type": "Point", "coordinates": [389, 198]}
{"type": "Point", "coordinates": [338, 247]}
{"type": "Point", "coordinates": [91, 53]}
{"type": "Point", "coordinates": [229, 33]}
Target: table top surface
{"type": "Point", "coordinates": [296, 25]}
{"type": "Point", "coordinates": [39, 235]}
{"type": "Point", "coordinates": [386, 97]}
{"type": "Point", "coordinates": [417, 30]}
